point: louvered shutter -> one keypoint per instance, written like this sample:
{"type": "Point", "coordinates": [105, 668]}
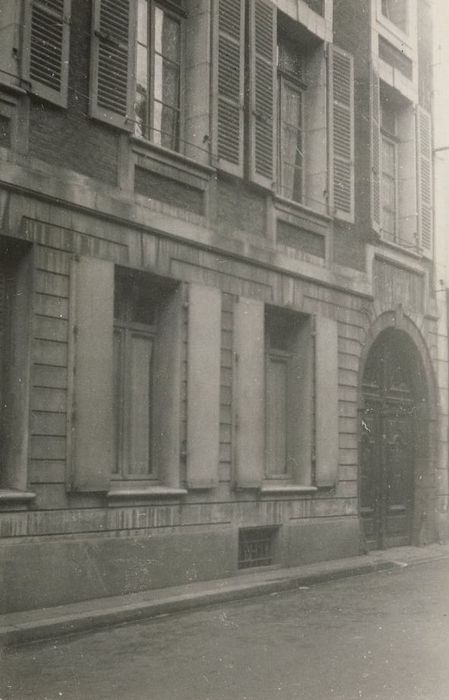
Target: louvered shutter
{"type": "Point", "coordinates": [326, 401]}
{"type": "Point", "coordinates": [375, 149]}
{"type": "Point", "coordinates": [249, 398]}
{"type": "Point", "coordinates": [46, 44]}
{"type": "Point", "coordinates": [3, 314]}
{"type": "Point", "coordinates": [341, 81]}
{"type": "Point", "coordinates": [112, 61]}
{"type": "Point", "coordinates": [230, 65]}
{"type": "Point", "coordinates": [91, 347]}
{"type": "Point", "coordinates": [203, 386]}
{"type": "Point", "coordinates": [425, 194]}
{"type": "Point", "coordinates": [262, 86]}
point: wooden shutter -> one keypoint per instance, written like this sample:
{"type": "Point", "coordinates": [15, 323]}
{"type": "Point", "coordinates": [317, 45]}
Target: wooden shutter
{"type": "Point", "coordinates": [203, 386]}
{"type": "Point", "coordinates": [375, 150]}
{"type": "Point", "coordinates": [92, 295]}
{"type": "Point", "coordinates": [46, 47]}
{"type": "Point", "coordinates": [341, 81]}
{"type": "Point", "coordinates": [425, 189]}
{"type": "Point", "coordinates": [112, 61]}
{"type": "Point", "coordinates": [262, 87]}
{"type": "Point", "coordinates": [326, 408]}
{"type": "Point", "coordinates": [167, 390]}
{"type": "Point", "coordinates": [249, 393]}
{"type": "Point", "coordinates": [3, 314]}
{"type": "Point", "coordinates": [230, 67]}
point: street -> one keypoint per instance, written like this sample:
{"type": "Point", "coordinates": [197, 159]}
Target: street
{"type": "Point", "coordinates": [378, 636]}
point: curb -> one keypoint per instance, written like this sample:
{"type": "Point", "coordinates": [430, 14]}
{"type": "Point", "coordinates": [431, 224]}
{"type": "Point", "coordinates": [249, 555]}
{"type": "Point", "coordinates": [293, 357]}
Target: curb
{"type": "Point", "coordinates": [82, 621]}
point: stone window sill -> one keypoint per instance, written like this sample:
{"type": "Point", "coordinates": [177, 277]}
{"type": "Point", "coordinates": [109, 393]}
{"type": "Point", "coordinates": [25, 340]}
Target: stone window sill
{"type": "Point", "coordinates": [143, 147]}
{"type": "Point", "coordinates": [15, 496]}
{"type": "Point", "coordinates": [151, 492]}
{"type": "Point", "coordinates": [276, 489]}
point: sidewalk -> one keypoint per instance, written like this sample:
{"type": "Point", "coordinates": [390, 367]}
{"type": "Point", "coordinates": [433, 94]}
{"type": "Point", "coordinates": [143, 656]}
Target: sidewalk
{"type": "Point", "coordinates": [31, 625]}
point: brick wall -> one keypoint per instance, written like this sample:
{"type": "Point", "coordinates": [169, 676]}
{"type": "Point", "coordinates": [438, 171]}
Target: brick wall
{"type": "Point", "coordinates": [68, 138]}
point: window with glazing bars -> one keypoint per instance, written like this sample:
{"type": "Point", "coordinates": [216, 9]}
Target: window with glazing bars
{"type": "Point", "coordinates": [396, 12]}
{"type": "Point", "coordinates": [389, 172]}
{"type": "Point", "coordinates": [291, 136]}
{"type": "Point", "coordinates": [137, 303]}
{"type": "Point", "coordinates": [158, 73]}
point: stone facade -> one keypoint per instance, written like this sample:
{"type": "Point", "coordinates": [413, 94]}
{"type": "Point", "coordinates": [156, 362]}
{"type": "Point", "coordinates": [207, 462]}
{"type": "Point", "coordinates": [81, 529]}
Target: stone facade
{"type": "Point", "coordinates": [74, 189]}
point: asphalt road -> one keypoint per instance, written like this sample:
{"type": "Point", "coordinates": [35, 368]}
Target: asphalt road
{"type": "Point", "coordinates": [379, 636]}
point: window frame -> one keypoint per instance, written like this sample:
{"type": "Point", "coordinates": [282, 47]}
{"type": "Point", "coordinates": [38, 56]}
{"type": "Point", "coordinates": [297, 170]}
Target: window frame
{"type": "Point", "coordinates": [126, 329]}
{"type": "Point", "coordinates": [16, 265]}
{"type": "Point", "coordinates": [386, 137]}
{"type": "Point", "coordinates": [295, 350]}
{"type": "Point", "coordinates": [276, 355]}
{"type": "Point", "coordinates": [179, 14]}
{"type": "Point", "coordinates": [285, 79]}
{"type": "Point", "coordinates": [385, 16]}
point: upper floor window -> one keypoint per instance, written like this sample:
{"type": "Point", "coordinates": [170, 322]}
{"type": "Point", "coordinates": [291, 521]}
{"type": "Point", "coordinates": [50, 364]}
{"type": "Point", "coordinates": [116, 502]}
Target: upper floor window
{"type": "Point", "coordinates": [389, 161]}
{"type": "Point", "coordinates": [302, 158]}
{"type": "Point", "coordinates": [291, 144]}
{"type": "Point", "coordinates": [396, 11]}
{"type": "Point", "coordinates": [158, 74]}
{"type": "Point", "coordinates": [146, 79]}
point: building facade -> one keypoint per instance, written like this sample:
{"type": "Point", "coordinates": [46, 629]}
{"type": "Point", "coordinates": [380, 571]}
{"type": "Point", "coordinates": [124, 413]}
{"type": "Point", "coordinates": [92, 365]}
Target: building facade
{"type": "Point", "coordinates": [221, 344]}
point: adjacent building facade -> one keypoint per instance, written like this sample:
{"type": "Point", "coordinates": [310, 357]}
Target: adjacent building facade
{"type": "Point", "coordinates": [221, 342]}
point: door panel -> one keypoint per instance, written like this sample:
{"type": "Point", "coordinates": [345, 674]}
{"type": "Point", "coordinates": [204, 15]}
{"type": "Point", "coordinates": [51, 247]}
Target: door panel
{"type": "Point", "coordinates": [387, 450]}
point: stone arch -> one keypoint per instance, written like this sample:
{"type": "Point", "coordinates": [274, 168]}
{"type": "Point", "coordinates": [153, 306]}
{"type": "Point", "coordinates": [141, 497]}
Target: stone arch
{"type": "Point", "coordinates": [397, 327]}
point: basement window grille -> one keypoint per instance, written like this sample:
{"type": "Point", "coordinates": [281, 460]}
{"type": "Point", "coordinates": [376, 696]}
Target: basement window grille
{"type": "Point", "coordinates": [256, 547]}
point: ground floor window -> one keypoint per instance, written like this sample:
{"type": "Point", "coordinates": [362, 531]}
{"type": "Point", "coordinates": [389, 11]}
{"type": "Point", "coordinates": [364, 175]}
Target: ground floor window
{"type": "Point", "coordinates": [138, 303]}
{"type": "Point", "coordinates": [286, 392]}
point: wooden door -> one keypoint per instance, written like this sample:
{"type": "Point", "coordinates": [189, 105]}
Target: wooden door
{"type": "Point", "coordinates": [387, 448]}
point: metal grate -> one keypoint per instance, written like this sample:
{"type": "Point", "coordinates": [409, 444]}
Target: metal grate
{"type": "Point", "coordinates": [256, 547]}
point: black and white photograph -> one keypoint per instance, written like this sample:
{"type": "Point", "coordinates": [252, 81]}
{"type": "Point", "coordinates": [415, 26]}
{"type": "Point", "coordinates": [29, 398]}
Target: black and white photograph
{"type": "Point", "coordinates": [224, 349]}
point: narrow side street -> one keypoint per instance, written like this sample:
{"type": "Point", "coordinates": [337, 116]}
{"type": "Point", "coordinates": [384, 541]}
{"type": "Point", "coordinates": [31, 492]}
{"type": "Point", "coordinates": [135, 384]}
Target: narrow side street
{"type": "Point", "coordinates": [379, 636]}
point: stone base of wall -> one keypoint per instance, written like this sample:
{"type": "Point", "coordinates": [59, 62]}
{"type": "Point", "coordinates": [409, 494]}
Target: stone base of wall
{"type": "Point", "coordinates": [51, 572]}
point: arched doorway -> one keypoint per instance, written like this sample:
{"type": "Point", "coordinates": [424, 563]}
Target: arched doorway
{"type": "Point", "coordinates": [394, 420]}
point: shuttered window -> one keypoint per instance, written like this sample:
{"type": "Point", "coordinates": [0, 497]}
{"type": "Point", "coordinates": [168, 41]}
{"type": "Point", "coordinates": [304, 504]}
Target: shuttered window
{"type": "Point", "coordinates": [342, 132]}
{"type": "Point", "coordinates": [292, 96]}
{"type": "Point", "coordinates": [262, 88]}
{"type": "Point", "coordinates": [287, 397]}
{"type": "Point", "coordinates": [15, 364]}
{"type": "Point", "coordinates": [230, 59]}
{"type": "Point", "coordinates": [425, 195]}
{"type": "Point", "coordinates": [112, 54]}
{"type": "Point", "coordinates": [157, 102]}
{"type": "Point", "coordinates": [45, 55]}
{"type": "Point", "coordinates": [397, 182]}
{"type": "Point", "coordinates": [137, 301]}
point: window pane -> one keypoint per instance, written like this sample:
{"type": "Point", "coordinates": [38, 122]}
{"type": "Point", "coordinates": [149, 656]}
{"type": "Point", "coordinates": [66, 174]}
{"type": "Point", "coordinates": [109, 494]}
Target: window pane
{"type": "Point", "coordinates": [171, 39]}
{"type": "Point", "coordinates": [167, 35]}
{"type": "Point", "coordinates": [396, 11]}
{"type": "Point", "coordinates": [291, 146]}
{"type": "Point", "coordinates": [141, 101]}
{"type": "Point", "coordinates": [166, 126]}
{"type": "Point", "coordinates": [276, 429]}
{"type": "Point", "coordinates": [166, 82]}
{"type": "Point", "coordinates": [140, 405]}
{"type": "Point", "coordinates": [142, 22]}
{"type": "Point", "coordinates": [292, 180]}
